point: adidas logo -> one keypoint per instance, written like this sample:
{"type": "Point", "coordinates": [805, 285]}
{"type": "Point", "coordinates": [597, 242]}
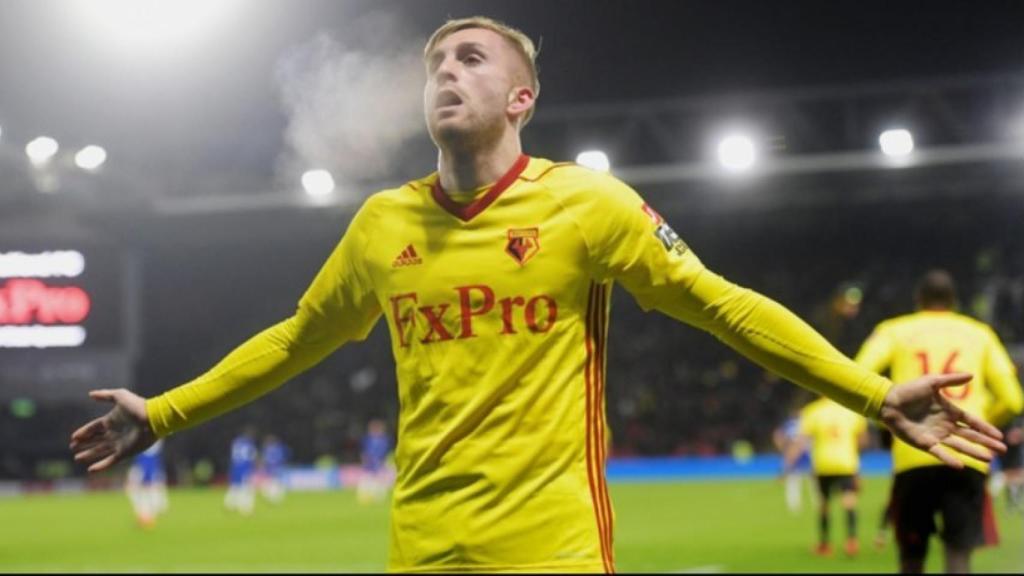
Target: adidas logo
{"type": "Point", "coordinates": [408, 257]}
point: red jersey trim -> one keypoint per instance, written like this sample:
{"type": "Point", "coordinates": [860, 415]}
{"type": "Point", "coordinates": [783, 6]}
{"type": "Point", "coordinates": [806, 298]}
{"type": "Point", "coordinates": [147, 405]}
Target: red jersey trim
{"type": "Point", "coordinates": [466, 212]}
{"type": "Point", "coordinates": [602, 348]}
{"type": "Point", "coordinates": [595, 468]}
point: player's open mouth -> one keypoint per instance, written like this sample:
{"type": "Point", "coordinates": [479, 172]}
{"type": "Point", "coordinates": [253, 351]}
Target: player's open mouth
{"type": "Point", "coordinates": [448, 98]}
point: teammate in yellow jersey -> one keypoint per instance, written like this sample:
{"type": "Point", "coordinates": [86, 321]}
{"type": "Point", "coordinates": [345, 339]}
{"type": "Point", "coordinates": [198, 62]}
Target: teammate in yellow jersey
{"type": "Point", "coordinates": [493, 276]}
{"type": "Point", "coordinates": [937, 340]}
{"type": "Point", "coordinates": [835, 435]}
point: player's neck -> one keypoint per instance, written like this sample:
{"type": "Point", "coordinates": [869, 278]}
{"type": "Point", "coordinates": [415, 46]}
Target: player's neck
{"type": "Point", "coordinates": [465, 170]}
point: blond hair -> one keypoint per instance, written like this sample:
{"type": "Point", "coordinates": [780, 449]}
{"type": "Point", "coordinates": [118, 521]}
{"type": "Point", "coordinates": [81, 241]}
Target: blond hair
{"type": "Point", "coordinates": [516, 38]}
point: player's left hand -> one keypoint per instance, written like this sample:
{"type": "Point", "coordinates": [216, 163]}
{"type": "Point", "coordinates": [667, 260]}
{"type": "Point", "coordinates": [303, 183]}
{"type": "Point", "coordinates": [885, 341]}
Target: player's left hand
{"type": "Point", "coordinates": [921, 416]}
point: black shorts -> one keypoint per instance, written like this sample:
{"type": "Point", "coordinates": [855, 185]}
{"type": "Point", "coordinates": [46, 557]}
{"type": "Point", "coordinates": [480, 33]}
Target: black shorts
{"type": "Point", "coordinates": [959, 496]}
{"type": "Point", "coordinates": [829, 483]}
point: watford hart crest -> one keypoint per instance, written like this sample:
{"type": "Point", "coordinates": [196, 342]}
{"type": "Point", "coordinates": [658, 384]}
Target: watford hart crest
{"type": "Point", "coordinates": [522, 244]}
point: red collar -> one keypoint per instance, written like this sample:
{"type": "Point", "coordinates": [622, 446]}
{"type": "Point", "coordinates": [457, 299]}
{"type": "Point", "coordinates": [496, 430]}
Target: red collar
{"type": "Point", "coordinates": [466, 212]}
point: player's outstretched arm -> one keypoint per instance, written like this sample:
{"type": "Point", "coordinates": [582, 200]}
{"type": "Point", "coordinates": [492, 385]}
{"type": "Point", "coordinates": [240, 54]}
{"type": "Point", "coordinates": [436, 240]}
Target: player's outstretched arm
{"type": "Point", "coordinates": [338, 307]}
{"type": "Point", "coordinates": [774, 337]}
{"type": "Point", "coordinates": [631, 243]}
{"type": "Point", "coordinates": [921, 416]}
{"type": "Point", "coordinates": [115, 436]}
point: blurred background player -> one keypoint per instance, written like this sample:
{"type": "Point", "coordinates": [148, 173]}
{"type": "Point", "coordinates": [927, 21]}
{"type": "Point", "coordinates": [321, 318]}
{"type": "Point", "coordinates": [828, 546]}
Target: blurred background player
{"type": "Point", "coordinates": [375, 478]}
{"type": "Point", "coordinates": [885, 518]}
{"type": "Point", "coordinates": [241, 496]}
{"type": "Point", "coordinates": [272, 461]}
{"type": "Point", "coordinates": [786, 438]}
{"type": "Point", "coordinates": [932, 340]}
{"type": "Point", "coordinates": [835, 435]}
{"type": "Point", "coordinates": [146, 485]}
{"type": "Point", "coordinates": [1011, 474]}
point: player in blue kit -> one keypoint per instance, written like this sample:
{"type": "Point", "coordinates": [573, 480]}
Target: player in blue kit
{"type": "Point", "coordinates": [376, 474]}
{"type": "Point", "coordinates": [146, 485]}
{"type": "Point", "coordinates": [786, 439]}
{"type": "Point", "coordinates": [272, 463]}
{"type": "Point", "coordinates": [241, 496]}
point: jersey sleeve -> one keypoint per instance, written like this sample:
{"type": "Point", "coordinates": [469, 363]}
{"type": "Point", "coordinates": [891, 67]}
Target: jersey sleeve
{"type": "Point", "coordinates": [632, 244]}
{"type": "Point", "coordinates": [876, 352]}
{"type": "Point", "coordinates": [1002, 382]}
{"type": "Point", "coordinates": [339, 306]}
{"type": "Point", "coordinates": [861, 426]}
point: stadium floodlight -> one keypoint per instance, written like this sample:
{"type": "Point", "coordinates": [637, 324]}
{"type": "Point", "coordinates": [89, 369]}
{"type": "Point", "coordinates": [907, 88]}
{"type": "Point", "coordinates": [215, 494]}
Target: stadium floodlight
{"type": "Point", "coordinates": [318, 183]}
{"type": "Point", "coordinates": [736, 153]}
{"type": "Point", "coordinates": [897, 142]}
{"type": "Point", "coordinates": [91, 157]}
{"type": "Point", "coordinates": [157, 23]}
{"type": "Point", "coordinates": [41, 150]}
{"type": "Point", "coordinates": [594, 159]}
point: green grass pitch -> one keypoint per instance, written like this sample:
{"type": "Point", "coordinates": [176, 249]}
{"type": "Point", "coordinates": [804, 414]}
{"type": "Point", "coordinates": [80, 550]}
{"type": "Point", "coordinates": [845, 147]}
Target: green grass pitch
{"type": "Point", "coordinates": [725, 526]}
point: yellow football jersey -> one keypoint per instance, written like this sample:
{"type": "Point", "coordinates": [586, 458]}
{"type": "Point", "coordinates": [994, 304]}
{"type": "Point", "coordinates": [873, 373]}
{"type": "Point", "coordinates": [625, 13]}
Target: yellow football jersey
{"type": "Point", "coordinates": [935, 342]}
{"type": "Point", "coordinates": [835, 434]}
{"type": "Point", "coordinates": [498, 313]}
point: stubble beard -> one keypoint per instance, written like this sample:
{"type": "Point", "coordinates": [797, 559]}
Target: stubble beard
{"type": "Point", "coordinates": [467, 137]}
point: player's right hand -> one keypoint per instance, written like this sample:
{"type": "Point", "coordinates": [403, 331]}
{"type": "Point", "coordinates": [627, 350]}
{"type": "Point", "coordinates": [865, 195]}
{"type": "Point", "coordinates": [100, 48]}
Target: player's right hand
{"type": "Point", "coordinates": [119, 434]}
